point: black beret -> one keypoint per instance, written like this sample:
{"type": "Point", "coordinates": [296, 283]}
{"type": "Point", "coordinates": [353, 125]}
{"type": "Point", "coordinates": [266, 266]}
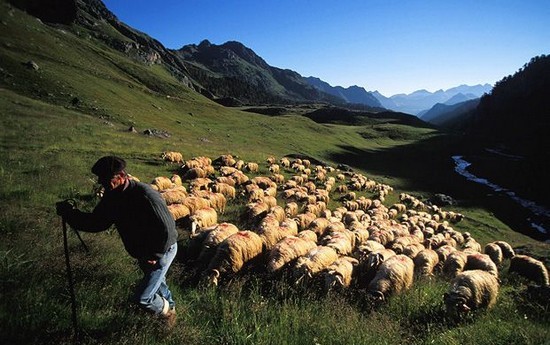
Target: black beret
{"type": "Point", "coordinates": [108, 166]}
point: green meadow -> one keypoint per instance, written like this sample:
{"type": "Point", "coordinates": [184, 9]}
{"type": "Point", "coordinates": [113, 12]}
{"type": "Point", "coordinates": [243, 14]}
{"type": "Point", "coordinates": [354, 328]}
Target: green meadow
{"type": "Point", "coordinates": [79, 105]}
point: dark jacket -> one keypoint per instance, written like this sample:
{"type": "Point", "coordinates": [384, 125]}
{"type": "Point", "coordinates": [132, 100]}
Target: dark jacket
{"type": "Point", "coordinates": [140, 215]}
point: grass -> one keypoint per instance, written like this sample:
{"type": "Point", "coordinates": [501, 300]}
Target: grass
{"type": "Point", "coordinates": [48, 145]}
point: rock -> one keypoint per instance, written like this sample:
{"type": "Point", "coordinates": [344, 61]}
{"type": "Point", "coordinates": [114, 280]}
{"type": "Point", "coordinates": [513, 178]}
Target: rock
{"type": "Point", "coordinates": [32, 65]}
{"type": "Point", "coordinates": [442, 200]}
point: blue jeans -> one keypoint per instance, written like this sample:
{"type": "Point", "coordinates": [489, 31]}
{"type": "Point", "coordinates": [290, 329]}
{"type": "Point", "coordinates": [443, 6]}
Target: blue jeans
{"type": "Point", "coordinates": [152, 290]}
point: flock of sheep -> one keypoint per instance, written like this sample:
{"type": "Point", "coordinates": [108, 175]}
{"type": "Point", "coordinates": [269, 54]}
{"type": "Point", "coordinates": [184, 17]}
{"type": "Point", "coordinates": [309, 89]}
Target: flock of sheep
{"type": "Point", "coordinates": [286, 225]}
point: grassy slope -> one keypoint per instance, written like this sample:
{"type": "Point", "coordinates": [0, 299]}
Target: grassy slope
{"type": "Point", "coordinates": [48, 145]}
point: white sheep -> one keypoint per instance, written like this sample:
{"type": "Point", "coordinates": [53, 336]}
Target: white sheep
{"type": "Point", "coordinates": [530, 268]}
{"type": "Point", "coordinates": [203, 218]}
{"type": "Point", "coordinates": [471, 290]}
{"type": "Point", "coordinates": [338, 275]}
{"type": "Point", "coordinates": [233, 253]}
{"type": "Point", "coordinates": [287, 250]}
{"type": "Point", "coordinates": [394, 276]}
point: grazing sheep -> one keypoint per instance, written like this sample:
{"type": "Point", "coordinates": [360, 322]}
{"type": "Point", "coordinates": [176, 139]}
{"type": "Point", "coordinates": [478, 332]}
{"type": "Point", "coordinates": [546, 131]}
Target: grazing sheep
{"type": "Point", "coordinates": [425, 262]}
{"type": "Point", "coordinates": [287, 250]}
{"type": "Point", "coordinates": [176, 180]}
{"type": "Point", "coordinates": [342, 241]}
{"type": "Point", "coordinates": [195, 173]}
{"type": "Point", "coordinates": [530, 268]}
{"type": "Point", "coordinates": [227, 190]}
{"type": "Point", "coordinates": [313, 262]}
{"type": "Point", "coordinates": [455, 263]}
{"type": "Point", "coordinates": [174, 195]}
{"type": "Point", "coordinates": [304, 220]}
{"type": "Point", "coordinates": [291, 209]}
{"type": "Point", "coordinates": [471, 290]}
{"type": "Point", "coordinates": [172, 156]}
{"type": "Point", "coordinates": [308, 235]}
{"type": "Point", "coordinates": [394, 276]}
{"type": "Point", "coordinates": [203, 218]}
{"type": "Point", "coordinates": [472, 244]}
{"type": "Point", "coordinates": [444, 251]}
{"type": "Point", "coordinates": [495, 252]}
{"type": "Point", "coordinates": [178, 211]}
{"type": "Point", "coordinates": [413, 249]}
{"type": "Point", "coordinates": [161, 182]}
{"type": "Point", "coordinates": [507, 250]}
{"type": "Point", "coordinates": [319, 226]}
{"type": "Point", "coordinates": [217, 235]}
{"type": "Point", "coordinates": [233, 253]}
{"type": "Point", "coordinates": [252, 167]}
{"type": "Point", "coordinates": [478, 261]}
{"type": "Point", "coordinates": [339, 273]}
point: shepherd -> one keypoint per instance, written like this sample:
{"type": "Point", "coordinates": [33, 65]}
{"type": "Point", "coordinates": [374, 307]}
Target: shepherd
{"type": "Point", "coordinates": [145, 225]}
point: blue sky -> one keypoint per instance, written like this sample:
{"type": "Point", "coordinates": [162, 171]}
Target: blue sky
{"type": "Point", "coordinates": [386, 45]}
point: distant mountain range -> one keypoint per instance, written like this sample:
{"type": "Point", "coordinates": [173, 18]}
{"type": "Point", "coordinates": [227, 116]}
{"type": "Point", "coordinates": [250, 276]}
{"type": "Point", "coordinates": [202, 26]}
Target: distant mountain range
{"type": "Point", "coordinates": [422, 100]}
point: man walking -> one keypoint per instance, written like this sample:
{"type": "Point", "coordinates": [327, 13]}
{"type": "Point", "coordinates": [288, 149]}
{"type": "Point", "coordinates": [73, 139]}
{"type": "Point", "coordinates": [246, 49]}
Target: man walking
{"type": "Point", "coordinates": [145, 225]}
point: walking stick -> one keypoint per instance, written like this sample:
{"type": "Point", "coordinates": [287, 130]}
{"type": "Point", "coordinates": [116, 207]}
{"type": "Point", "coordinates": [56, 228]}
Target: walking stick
{"type": "Point", "coordinates": [70, 279]}
{"type": "Point", "coordinates": [70, 273]}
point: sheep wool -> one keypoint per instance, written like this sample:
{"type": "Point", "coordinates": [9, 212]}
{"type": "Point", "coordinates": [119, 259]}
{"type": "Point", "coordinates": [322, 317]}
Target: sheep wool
{"type": "Point", "coordinates": [495, 253]}
{"type": "Point", "coordinates": [425, 262]}
{"type": "Point", "coordinates": [507, 250]}
{"type": "Point", "coordinates": [471, 290]}
{"type": "Point", "coordinates": [455, 263]}
{"type": "Point", "coordinates": [234, 252]}
{"type": "Point", "coordinates": [478, 261]}
{"type": "Point", "coordinates": [314, 262]}
{"type": "Point", "coordinates": [530, 268]}
{"type": "Point", "coordinates": [178, 211]}
{"type": "Point", "coordinates": [394, 276]}
{"type": "Point", "coordinates": [214, 237]}
{"type": "Point", "coordinates": [287, 250]}
{"type": "Point", "coordinates": [174, 195]}
{"type": "Point", "coordinates": [339, 273]}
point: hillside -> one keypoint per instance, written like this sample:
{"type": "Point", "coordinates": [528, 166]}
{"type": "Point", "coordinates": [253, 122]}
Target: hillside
{"type": "Point", "coordinates": [73, 90]}
{"type": "Point", "coordinates": [445, 115]}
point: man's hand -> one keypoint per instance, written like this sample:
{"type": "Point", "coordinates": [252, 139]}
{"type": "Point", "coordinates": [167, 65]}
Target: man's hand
{"type": "Point", "coordinates": [152, 262]}
{"type": "Point", "coordinates": [63, 208]}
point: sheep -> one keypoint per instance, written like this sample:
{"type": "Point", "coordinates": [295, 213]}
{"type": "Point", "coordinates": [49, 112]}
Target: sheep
{"type": "Point", "coordinates": [308, 235]}
{"type": "Point", "coordinates": [313, 262]}
{"type": "Point", "coordinates": [233, 253]}
{"type": "Point", "coordinates": [285, 162]}
{"type": "Point", "coordinates": [278, 178]}
{"type": "Point", "coordinates": [366, 248]}
{"type": "Point", "coordinates": [251, 167]}
{"type": "Point", "coordinates": [304, 220]}
{"type": "Point", "coordinates": [478, 261]}
{"type": "Point", "coordinates": [291, 209]}
{"type": "Point", "coordinates": [342, 241]}
{"type": "Point", "coordinates": [217, 235]}
{"type": "Point", "coordinates": [529, 268]}
{"type": "Point", "coordinates": [471, 290]}
{"type": "Point", "coordinates": [287, 250]}
{"type": "Point", "coordinates": [455, 263]}
{"type": "Point", "coordinates": [174, 195]}
{"type": "Point", "coordinates": [394, 276]}
{"type": "Point", "coordinates": [195, 173]}
{"type": "Point", "coordinates": [472, 244]}
{"type": "Point", "coordinates": [161, 182]}
{"type": "Point", "coordinates": [495, 252]}
{"type": "Point", "coordinates": [256, 211]}
{"type": "Point", "coordinates": [274, 168]}
{"type": "Point", "coordinates": [225, 189]}
{"type": "Point", "coordinates": [444, 251]}
{"type": "Point", "coordinates": [178, 211]}
{"type": "Point", "coordinates": [319, 225]}
{"type": "Point", "coordinates": [413, 249]}
{"type": "Point", "coordinates": [425, 262]}
{"type": "Point", "coordinates": [203, 218]}
{"type": "Point", "coordinates": [172, 156]}
{"type": "Point", "coordinates": [195, 203]}
{"type": "Point", "coordinates": [339, 273]}
{"type": "Point", "coordinates": [176, 180]}
{"type": "Point", "coordinates": [507, 250]}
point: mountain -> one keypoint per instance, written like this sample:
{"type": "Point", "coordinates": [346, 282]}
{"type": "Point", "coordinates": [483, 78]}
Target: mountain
{"type": "Point", "coordinates": [444, 115]}
{"type": "Point", "coordinates": [234, 70]}
{"type": "Point", "coordinates": [516, 114]}
{"type": "Point", "coordinates": [352, 94]}
{"type": "Point", "coordinates": [421, 100]}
